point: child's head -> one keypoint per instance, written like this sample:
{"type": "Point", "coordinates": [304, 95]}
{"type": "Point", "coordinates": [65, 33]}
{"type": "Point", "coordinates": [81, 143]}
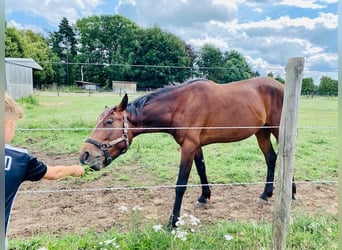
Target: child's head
{"type": "Point", "coordinates": [12, 110]}
{"type": "Point", "coordinates": [13, 113]}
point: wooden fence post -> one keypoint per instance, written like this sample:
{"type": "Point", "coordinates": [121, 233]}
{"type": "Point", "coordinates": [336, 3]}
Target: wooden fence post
{"type": "Point", "coordinates": [286, 152]}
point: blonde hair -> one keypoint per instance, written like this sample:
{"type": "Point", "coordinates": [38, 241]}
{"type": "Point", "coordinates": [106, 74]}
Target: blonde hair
{"type": "Point", "coordinates": [12, 109]}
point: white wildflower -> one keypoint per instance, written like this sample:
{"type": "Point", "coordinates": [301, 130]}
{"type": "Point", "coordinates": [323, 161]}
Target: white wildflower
{"type": "Point", "coordinates": [137, 208]}
{"type": "Point", "coordinates": [194, 221]}
{"type": "Point", "coordinates": [181, 235]}
{"type": "Point", "coordinates": [108, 242]}
{"type": "Point", "coordinates": [157, 228]}
{"type": "Point", "coordinates": [180, 222]}
{"type": "Point", "coordinates": [111, 242]}
{"type": "Point", "coordinates": [123, 209]}
{"type": "Point", "coordinates": [228, 237]}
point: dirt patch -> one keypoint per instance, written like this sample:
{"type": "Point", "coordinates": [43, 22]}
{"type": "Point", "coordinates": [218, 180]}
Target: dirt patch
{"type": "Point", "coordinates": [68, 209]}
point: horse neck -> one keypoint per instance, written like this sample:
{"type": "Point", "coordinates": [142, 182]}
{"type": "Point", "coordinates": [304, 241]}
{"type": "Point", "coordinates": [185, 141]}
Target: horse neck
{"type": "Point", "coordinates": [155, 117]}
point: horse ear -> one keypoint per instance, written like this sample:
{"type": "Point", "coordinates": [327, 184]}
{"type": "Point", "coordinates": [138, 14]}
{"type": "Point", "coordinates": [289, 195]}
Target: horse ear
{"type": "Point", "coordinates": [123, 104]}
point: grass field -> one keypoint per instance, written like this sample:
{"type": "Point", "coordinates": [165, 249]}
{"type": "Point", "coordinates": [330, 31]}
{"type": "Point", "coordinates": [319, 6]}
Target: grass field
{"type": "Point", "coordinates": [67, 120]}
{"type": "Point", "coordinates": [59, 125]}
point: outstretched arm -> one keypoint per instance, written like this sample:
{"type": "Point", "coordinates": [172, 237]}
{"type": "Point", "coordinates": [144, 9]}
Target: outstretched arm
{"type": "Point", "coordinates": [57, 172]}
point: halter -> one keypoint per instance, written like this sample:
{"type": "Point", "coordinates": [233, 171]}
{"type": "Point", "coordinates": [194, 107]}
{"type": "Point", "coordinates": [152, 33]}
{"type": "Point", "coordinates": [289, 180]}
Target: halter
{"type": "Point", "coordinates": [105, 146]}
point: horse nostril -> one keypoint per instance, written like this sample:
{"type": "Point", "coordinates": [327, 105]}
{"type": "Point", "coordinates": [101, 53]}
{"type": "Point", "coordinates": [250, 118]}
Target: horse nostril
{"type": "Point", "coordinates": [84, 157]}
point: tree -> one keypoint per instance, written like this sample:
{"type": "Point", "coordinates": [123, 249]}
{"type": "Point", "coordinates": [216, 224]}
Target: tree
{"type": "Point", "coordinates": [307, 86]}
{"type": "Point", "coordinates": [109, 42]}
{"type": "Point", "coordinates": [210, 62]}
{"type": "Point", "coordinates": [64, 44]}
{"type": "Point", "coordinates": [228, 67]}
{"type": "Point", "coordinates": [28, 44]}
{"type": "Point", "coordinates": [279, 79]}
{"type": "Point", "coordinates": [237, 67]}
{"type": "Point", "coordinates": [122, 50]}
{"type": "Point", "coordinates": [14, 43]}
{"type": "Point", "coordinates": [328, 86]}
{"type": "Point", "coordinates": [37, 48]}
{"type": "Point", "coordinates": [166, 58]}
{"type": "Point", "coordinates": [270, 74]}
{"type": "Point", "coordinates": [256, 74]}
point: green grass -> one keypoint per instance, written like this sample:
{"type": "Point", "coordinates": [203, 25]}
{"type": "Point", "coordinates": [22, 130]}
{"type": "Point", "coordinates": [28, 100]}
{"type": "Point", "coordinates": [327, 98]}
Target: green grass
{"type": "Point", "coordinates": [305, 233]}
{"type": "Point", "coordinates": [61, 123]}
{"type": "Point", "coordinates": [67, 121]}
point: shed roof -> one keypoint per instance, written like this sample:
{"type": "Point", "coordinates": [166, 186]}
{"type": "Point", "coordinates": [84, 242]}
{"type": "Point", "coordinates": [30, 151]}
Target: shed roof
{"type": "Point", "coordinates": [25, 62]}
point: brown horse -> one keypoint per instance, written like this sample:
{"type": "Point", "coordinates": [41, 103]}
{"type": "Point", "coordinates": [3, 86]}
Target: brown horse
{"type": "Point", "coordinates": [197, 113]}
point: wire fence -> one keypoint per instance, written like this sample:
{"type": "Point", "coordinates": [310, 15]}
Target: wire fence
{"type": "Point", "coordinates": [333, 182]}
{"type": "Point", "coordinates": [165, 187]}
{"type": "Point", "coordinates": [171, 128]}
{"type": "Point", "coordinates": [95, 189]}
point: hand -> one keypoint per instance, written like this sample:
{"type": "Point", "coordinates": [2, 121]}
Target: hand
{"type": "Point", "coordinates": [78, 171]}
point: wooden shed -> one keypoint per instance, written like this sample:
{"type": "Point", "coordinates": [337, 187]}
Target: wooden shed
{"type": "Point", "coordinates": [19, 76]}
{"type": "Point", "coordinates": [88, 85]}
{"type": "Point", "coordinates": [121, 87]}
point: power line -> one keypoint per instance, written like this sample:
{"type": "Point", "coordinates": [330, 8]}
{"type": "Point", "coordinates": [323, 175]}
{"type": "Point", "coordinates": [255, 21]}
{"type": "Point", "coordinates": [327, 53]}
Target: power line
{"type": "Point", "coordinates": [195, 67]}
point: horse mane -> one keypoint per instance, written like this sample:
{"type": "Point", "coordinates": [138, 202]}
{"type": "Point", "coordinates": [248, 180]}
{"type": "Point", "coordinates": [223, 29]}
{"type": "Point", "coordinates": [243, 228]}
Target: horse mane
{"type": "Point", "coordinates": [135, 107]}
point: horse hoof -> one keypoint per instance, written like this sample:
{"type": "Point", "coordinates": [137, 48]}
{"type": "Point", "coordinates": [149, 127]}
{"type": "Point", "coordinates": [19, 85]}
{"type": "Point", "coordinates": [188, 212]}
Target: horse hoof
{"type": "Point", "coordinates": [297, 201]}
{"type": "Point", "coordinates": [262, 202]}
{"type": "Point", "coordinates": [201, 205]}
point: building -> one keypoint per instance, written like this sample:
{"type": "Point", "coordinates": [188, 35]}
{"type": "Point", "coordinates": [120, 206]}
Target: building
{"type": "Point", "coordinates": [121, 87]}
{"type": "Point", "coordinates": [88, 85]}
{"type": "Point", "coordinates": [19, 76]}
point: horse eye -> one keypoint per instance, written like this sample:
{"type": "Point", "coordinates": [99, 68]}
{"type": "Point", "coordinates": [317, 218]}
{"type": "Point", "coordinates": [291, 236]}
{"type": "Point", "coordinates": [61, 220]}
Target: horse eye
{"type": "Point", "coordinates": [109, 122]}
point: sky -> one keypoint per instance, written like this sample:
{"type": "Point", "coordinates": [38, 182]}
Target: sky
{"type": "Point", "coordinates": [266, 32]}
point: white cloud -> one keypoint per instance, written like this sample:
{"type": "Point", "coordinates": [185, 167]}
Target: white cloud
{"type": "Point", "coordinates": [312, 4]}
{"type": "Point", "coordinates": [262, 30]}
{"type": "Point", "coordinates": [321, 60]}
{"type": "Point", "coordinates": [13, 23]}
{"type": "Point", "coordinates": [53, 10]}
{"type": "Point", "coordinates": [218, 42]}
{"type": "Point", "coordinates": [328, 20]}
{"type": "Point", "coordinates": [179, 12]}
{"type": "Point", "coordinates": [263, 67]}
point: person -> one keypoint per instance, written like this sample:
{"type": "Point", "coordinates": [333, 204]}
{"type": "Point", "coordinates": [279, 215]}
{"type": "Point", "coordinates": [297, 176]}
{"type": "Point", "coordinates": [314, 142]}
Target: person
{"type": "Point", "coordinates": [20, 166]}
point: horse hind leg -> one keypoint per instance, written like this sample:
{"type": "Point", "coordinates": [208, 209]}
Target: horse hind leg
{"type": "Point", "coordinates": [275, 132]}
{"type": "Point", "coordinates": [201, 170]}
{"type": "Point", "coordinates": [264, 141]}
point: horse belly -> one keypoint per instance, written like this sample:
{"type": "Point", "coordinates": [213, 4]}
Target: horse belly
{"type": "Point", "coordinates": [223, 135]}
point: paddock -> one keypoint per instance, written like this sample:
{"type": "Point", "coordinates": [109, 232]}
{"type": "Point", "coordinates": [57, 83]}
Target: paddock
{"type": "Point", "coordinates": [118, 196]}
{"type": "Point", "coordinates": [76, 208]}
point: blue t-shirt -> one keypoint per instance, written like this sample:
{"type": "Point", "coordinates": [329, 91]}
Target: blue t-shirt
{"type": "Point", "coordinates": [20, 166]}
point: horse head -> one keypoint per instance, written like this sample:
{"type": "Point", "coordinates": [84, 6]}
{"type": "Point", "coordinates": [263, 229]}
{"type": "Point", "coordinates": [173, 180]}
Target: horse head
{"type": "Point", "coordinates": [109, 139]}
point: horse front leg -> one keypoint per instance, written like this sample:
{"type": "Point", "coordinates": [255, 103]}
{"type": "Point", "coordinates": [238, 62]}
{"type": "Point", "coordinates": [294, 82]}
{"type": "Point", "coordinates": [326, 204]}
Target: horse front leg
{"type": "Point", "coordinates": [201, 170]}
{"type": "Point", "coordinates": [182, 181]}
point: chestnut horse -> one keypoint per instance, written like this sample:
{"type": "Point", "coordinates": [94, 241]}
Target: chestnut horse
{"type": "Point", "coordinates": [197, 113]}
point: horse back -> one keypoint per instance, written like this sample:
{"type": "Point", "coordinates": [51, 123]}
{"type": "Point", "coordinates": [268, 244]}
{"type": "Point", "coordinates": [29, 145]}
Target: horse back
{"type": "Point", "coordinates": [250, 103]}
{"type": "Point", "coordinates": [259, 94]}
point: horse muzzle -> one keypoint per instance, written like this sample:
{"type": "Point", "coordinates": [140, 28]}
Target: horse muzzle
{"type": "Point", "coordinates": [95, 163]}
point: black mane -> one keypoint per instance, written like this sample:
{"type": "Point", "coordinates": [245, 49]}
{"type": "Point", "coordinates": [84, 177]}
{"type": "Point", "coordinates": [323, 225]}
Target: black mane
{"type": "Point", "coordinates": [135, 107]}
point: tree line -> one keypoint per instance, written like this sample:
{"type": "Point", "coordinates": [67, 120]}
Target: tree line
{"type": "Point", "coordinates": [111, 47]}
